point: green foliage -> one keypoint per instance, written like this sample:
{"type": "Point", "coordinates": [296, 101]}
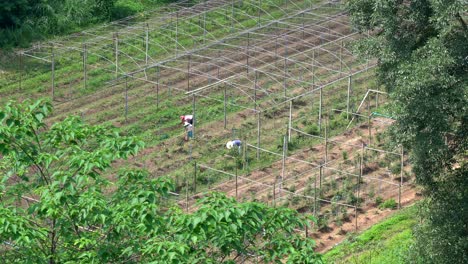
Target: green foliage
{"type": "Point", "coordinates": [388, 204]}
{"type": "Point", "coordinates": [386, 242]}
{"type": "Point", "coordinates": [421, 48]}
{"type": "Point", "coordinates": [58, 207]}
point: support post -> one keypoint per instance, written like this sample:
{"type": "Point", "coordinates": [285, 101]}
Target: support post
{"type": "Point", "coordinates": [285, 70]}
{"type": "Point", "coordinates": [204, 27]}
{"type": "Point", "coordinates": [255, 90]}
{"type": "Point", "coordinates": [85, 70]}
{"type": "Point", "coordinates": [402, 164]}
{"type": "Point", "coordinates": [313, 69]}
{"type": "Point", "coordinates": [126, 98]}
{"type": "Point", "coordinates": [186, 196]}
{"type": "Point", "coordinates": [247, 51]}
{"type": "Point", "coordinates": [225, 99]}
{"type": "Point", "coordinates": [258, 135]}
{"type": "Point", "coordinates": [53, 72]}
{"type": "Point", "coordinates": [188, 71]}
{"type": "Point", "coordinates": [177, 34]}
{"type": "Point", "coordinates": [368, 121]}
{"type": "Point", "coordinates": [146, 43]}
{"type": "Point", "coordinates": [320, 111]}
{"type": "Point", "coordinates": [348, 96]}
{"type": "Point", "coordinates": [157, 87]}
{"type": "Point", "coordinates": [283, 164]}
{"type": "Point", "coordinates": [361, 161]}
{"type": "Point", "coordinates": [315, 196]}
{"type": "Point", "coordinates": [341, 58]}
{"type": "Point", "coordinates": [326, 139]}
{"type": "Point", "coordinates": [116, 50]}
{"type": "Point", "coordinates": [236, 180]}
{"type": "Point", "coordinates": [194, 120]}
{"type": "Point", "coordinates": [20, 70]}
{"type": "Point", "coordinates": [195, 177]}
{"type": "Point", "coordinates": [290, 121]}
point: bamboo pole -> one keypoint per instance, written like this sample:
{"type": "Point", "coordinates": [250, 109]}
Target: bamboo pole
{"type": "Point", "coordinates": [315, 196]}
{"type": "Point", "coordinates": [255, 90]}
{"type": "Point", "coordinates": [320, 110]}
{"type": "Point", "coordinates": [237, 197]}
{"type": "Point", "coordinates": [247, 51]}
{"type": "Point", "coordinates": [20, 70]}
{"type": "Point", "coordinates": [283, 164]}
{"type": "Point", "coordinates": [290, 121]}
{"type": "Point", "coordinates": [116, 50]}
{"type": "Point", "coordinates": [195, 177]}
{"type": "Point", "coordinates": [348, 96]}
{"type": "Point", "coordinates": [53, 71]}
{"type": "Point", "coordinates": [157, 87]}
{"type": "Point", "coordinates": [85, 61]}
{"type": "Point", "coordinates": [194, 120]}
{"type": "Point", "coordinates": [258, 135]}
{"type": "Point", "coordinates": [188, 71]}
{"type": "Point", "coordinates": [225, 99]}
{"type": "Point", "coordinates": [146, 43]}
{"type": "Point", "coordinates": [402, 160]}
{"type": "Point", "coordinates": [285, 70]}
{"type": "Point", "coordinates": [126, 98]}
{"type": "Point", "coordinates": [177, 34]}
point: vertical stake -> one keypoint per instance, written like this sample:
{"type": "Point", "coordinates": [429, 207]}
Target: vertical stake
{"type": "Point", "coordinates": [126, 97]}
{"type": "Point", "coordinates": [326, 139]}
{"type": "Point", "coordinates": [255, 90]}
{"type": "Point", "coordinates": [188, 71]}
{"type": "Point", "coordinates": [315, 196]}
{"type": "Point", "coordinates": [116, 42]}
{"type": "Point", "coordinates": [320, 111]}
{"type": "Point", "coordinates": [177, 34]}
{"type": "Point", "coordinates": [313, 69]}
{"type": "Point", "coordinates": [20, 70]}
{"type": "Point", "coordinates": [186, 196]}
{"type": "Point", "coordinates": [146, 44]}
{"type": "Point", "coordinates": [368, 121]}
{"type": "Point", "coordinates": [401, 177]}
{"type": "Point", "coordinates": [204, 27]}
{"type": "Point", "coordinates": [285, 70]}
{"type": "Point", "coordinates": [303, 25]}
{"type": "Point", "coordinates": [347, 97]}
{"type": "Point", "coordinates": [195, 177]}
{"type": "Point", "coordinates": [85, 70]}
{"type": "Point", "coordinates": [194, 120]}
{"type": "Point", "coordinates": [258, 135]}
{"type": "Point", "coordinates": [236, 180]}
{"type": "Point", "coordinates": [157, 87]}
{"type": "Point", "coordinates": [53, 72]}
{"type": "Point", "coordinates": [321, 176]}
{"type": "Point", "coordinates": [247, 52]}
{"type": "Point", "coordinates": [290, 121]}
{"type": "Point", "coordinates": [225, 98]}
{"type": "Point", "coordinates": [283, 163]}
{"type": "Point", "coordinates": [341, 58]}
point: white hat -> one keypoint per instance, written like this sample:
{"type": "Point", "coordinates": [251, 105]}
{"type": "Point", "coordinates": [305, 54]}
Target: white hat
{"type": "Point", "coordinates": [229, 145]}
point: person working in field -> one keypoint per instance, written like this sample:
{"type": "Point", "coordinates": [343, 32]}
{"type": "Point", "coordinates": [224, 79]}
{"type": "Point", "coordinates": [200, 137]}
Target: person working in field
{"type": "Point", "coordinates": [235, 142]}
{"type": "Point", "coordinates": [189, 131]}
{"type": "Point", "coordinates": [186, 119]}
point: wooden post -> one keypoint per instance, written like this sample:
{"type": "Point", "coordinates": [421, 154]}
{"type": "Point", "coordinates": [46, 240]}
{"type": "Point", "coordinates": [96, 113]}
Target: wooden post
{"type": "Point", "coordinates": [225, 99]}
{"type": "Point", "coordinates": [290, 121]}
{"type": "Point", "coordinates": [361, 161]}
{"type": "Point", "coordinates": [20, 70]}
{"type": "Point", "coordinates": [326, 139]}
{"type": "Point", "coordinates": [195, 177]}
{"type": "Point", "coordinates": [321, 175]}
{"type": "Point", "coordinates": [186, 196]}
{"type": "Point", "coordinates": [247, 51]}
{"type": "Point", "coordinates": [157, 87]}
{"type": "Point", "coordinates": [258, 135]}
{"type": "Point", "coordinates": [232, 16]}
{"type": "Point", "coordinates": [320, 111]}
{"type": "Point", "coordinates": [347, 98]}
{"type": "Point", "coordinates": [204, 27]}
{"type": "Point", "coordinates": [274, 192]}
{"type": "Point", "coordinates": [255, 90]}
{"type": "Point", "coordinates": [285, 70]}
{"type": "Point", "coordinates": [315, 196]}
{"type": "Point", "coordinates": [53, 71]}
{"type": "Point", "coordinates": [177, 34]}
{"type": "Point", "coordinates": [313, 69]}
{"type": "Point", "coordinates": [194, 120]}
{"type": "Point", "coordinates": [402, 160]}
{"type": "Point", "coordinates": [126, 97]}
{"type": "Point", "coordinates": [283, 164]}
{"type": "Point", "coordinates": [146, 44]}
{"type": "Point", "coordinates": [116, 50]}
{"type": "Point", "coordinates": [341, 58]}
{"type": "Point", "coordinates": [355, 218]}
{"type": "Point", "coordinates": [85, 70]}
{"type": "Point", "coordinates": [188, 71]}
{"type": "Point", "coordinates": [303, 25]}
{"type": "Point", "coordinates": [276, 44]}
{"type": "Point", "coordinates": [368, 121]}
{"type": "Point", "coordinates": [236, 180]}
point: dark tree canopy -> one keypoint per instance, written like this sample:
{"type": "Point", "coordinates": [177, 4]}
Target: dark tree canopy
{"type": "Point", "coordinates": [421, 46]}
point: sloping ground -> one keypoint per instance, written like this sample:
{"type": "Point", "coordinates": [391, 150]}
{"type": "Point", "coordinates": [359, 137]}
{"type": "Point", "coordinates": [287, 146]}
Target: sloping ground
{"type": "Point", "coordinates": [385, 242]}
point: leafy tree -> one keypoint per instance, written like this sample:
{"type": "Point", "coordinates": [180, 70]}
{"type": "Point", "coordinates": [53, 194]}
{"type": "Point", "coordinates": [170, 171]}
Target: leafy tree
{"type": "Point", "coordinates": [422, 54]}
{"type": "Point", "coordinates": [58, 204]}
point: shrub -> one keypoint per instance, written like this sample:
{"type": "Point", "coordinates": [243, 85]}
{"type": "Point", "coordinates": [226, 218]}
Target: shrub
{"type": "Point", "coordinates": [390, 204]}
{"type": "Point", "coordinates": [378, 200]}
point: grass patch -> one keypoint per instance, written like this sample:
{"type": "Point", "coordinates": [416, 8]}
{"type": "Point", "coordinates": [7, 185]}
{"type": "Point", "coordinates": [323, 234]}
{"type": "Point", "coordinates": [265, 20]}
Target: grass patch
{"type": "Point", "coordinates": [386, 242]}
